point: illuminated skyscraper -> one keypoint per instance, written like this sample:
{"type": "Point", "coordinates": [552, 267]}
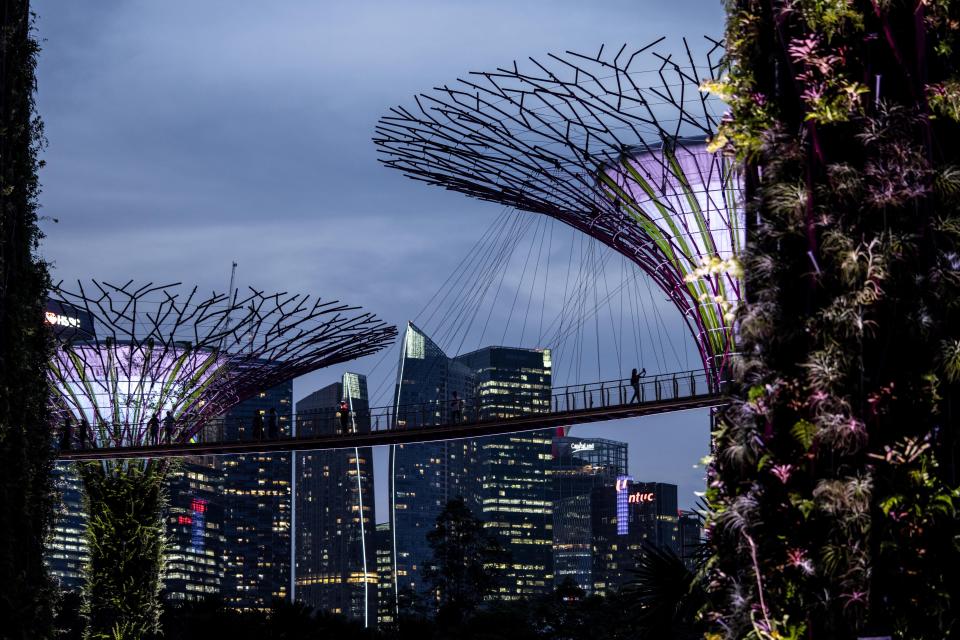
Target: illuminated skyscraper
{"type": "Point", "coordinates": [691, 538]}
{"type": "Point", "coordinates": [424, 477]}
{"type": "Point", "coordinates": [625, 517]}
{"type": "Point", "coordinates": [194, 520]}
{"type": "Point", "coordinates": [256, 508]}
{"type": "Point", "coordinates": [580, 466]}
{"type": "Point", "coordinates": [513, 472]}
{"type": "Point", "coordinates": [386, 605]}
{"type": "Point", "coordinates": [66, 551]}
{"type": "Point", "coordinates": [506, 480]}
{"type": "Point", "coordinates": [336, 552]}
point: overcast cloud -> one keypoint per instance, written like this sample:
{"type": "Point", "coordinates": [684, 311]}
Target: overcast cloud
{"type": "Point", "coordinates": [186, 135]}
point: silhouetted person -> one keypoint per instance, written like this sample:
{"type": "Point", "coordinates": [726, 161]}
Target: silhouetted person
{"type": "Point", "coordinates": [257, 426]}
{"type": "Point", "coordinates": [635, 383]}
{"type": "Point", "coordinates": [456, 408]}
{"type": "Point", "coordinates": [344, 412]}
{"type": "Point", "coordinates": [84, 433]}
{"type": "Point", "coordinates": [153, 428]}
{"type": "Point", "coordinates": [272, 431]}
{"type": "Point", "coordinates": [168, 426]}
{"type": "Point", "coordinates": [66, 435]}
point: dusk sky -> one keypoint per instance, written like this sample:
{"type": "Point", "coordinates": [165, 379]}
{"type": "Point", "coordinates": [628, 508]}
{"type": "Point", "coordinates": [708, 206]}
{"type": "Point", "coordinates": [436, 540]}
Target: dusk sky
{"type": "Point", "coordinates": [187, 135]}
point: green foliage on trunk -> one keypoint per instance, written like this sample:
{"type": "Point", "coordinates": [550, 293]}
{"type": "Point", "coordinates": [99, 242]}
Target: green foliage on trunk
{"type": "Point", "coordinates": [125, 535]}
{"type": "Point", "coordinates": [26, 455]}
{"type": "Point", "coordinates": [833, 484]}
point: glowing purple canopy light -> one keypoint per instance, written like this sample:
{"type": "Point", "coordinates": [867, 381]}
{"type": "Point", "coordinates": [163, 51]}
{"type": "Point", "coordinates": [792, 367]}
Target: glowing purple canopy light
{"type": "Point", "coordinates": [606, 146]}
{"type": "Point", "coordinates": [148, 349]}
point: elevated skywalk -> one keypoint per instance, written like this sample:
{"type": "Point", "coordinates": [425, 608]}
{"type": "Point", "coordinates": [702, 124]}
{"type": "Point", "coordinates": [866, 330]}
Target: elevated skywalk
{"type": "Point", "coordinates": [432, 421]}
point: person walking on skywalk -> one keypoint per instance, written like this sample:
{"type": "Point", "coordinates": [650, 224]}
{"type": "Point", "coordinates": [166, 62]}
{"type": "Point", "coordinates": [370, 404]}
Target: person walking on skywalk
{"type": "Point", "coordinates": [456, 409]}
{"type": "Point", "coordinates": [66, 435]}
{"type": "Point", "coordinates": [257, 425]}
{"type": "Point", "coordinates": [153, 429]}
{"type": "Point", "coordinates": [273, 431]}
{"type": "Point", "coordinates": [343, 412]}
{"type": "Point", "coordinates": [168, 425]}
{"type": "Point", "coordinates": [635, 383]}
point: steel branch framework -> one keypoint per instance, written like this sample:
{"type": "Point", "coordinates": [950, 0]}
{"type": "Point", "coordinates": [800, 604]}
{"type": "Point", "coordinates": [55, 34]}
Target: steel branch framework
{"type": "Point", "coordinates": [605, 147]}
{"type": "Point", "coordinates": [131, 353]}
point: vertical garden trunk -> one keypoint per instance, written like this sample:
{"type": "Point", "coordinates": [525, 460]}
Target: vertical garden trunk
{"type": "Point", "coordinates": [125, 535]}
{"type": "Point", "coordinates": [26, 455]}
{"type": "Point", "coordinates": [833, 484]}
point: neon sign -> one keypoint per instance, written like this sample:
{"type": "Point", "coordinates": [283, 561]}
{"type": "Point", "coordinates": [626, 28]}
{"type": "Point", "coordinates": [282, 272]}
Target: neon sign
{"type": "Point", "coordinates": [640, 496]}
{"type": "Point", "coordinates": [199, 508]}
{"type": "Point", "coordinates": [577, 447]}
{"type": "Point", "coordinates": [60, 320]}
{"type": "Point", "coordinates": [623, 511]}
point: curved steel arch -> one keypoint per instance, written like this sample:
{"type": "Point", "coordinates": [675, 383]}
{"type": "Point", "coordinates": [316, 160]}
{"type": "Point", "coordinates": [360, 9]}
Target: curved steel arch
{"type": "Point", "coordinates": [133, 351]}
{"type": "Point", "coordinates": [606, 147]}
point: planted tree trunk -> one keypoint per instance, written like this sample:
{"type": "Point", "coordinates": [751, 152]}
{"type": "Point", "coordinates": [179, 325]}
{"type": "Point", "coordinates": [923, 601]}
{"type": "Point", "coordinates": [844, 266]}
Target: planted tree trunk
{"type": "Point", "coordinates": [125, 536]}
{"type": "Point", "coordinates": [833, 483]}
{"type": "Point", "coordinates": [26, 457]}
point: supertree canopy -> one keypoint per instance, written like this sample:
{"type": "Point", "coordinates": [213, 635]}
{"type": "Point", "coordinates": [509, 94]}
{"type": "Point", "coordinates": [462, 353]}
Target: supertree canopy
{"type": "Point", "coordinates": [130, 352]}
{"type": "Point", "coordinates": [131, 355]}
{"type": "Point", "coordinates": [613, 144]}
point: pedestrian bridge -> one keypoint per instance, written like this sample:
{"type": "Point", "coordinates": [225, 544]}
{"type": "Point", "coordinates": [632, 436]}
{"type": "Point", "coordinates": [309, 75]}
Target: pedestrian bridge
{"type": "Point", "coordinates": [432, 421]}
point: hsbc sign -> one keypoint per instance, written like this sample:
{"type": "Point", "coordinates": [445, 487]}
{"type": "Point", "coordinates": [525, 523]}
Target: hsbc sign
{"type": "Point", "coordinates": [59, 320]}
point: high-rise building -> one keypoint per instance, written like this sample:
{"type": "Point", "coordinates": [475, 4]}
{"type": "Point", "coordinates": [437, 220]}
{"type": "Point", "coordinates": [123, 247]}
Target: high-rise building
{"type": "Point", "coordinates": [66, 552]}
{"type": "Point", "coordinates": [386, 605]}
{"type": "Point", "coordinates": [691, 537]}
{"type": "Point", "coordinates": [424, 477]}
{"type": "Point", "coordinates": [336, 561]}
{"type": "Point", "coordinates": [625, 518]}
{"type": "Point", "coordinates": [194, 524]}
{"type": "Point", "coordinates": [506, 480]}
{"type": "Point", "coordinates": [193, 520]}
{"type": "Point", "coordinates": [256, 507]}
{"type": "Point", "coordinates": [514, 489]}
{"type": "Point", "coordinates": [580, 466]}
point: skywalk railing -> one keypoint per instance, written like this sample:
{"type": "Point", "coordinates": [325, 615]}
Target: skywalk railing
{"type": "Point", "coordinates": [527, 404]}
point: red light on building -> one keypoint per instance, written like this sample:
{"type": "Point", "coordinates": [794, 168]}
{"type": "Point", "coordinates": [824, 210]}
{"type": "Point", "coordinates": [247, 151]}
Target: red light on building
{"type": "Point", "coordinates": [198, 505]}
{"type": "Point", "coordinates": [184, 520]}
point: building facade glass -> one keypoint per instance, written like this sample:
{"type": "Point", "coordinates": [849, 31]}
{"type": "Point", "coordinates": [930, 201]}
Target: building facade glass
{"type": "Point", "coordinates": [66, 552]}
{"type": "Point", "coordinates": [195, 538]}
{"type": "Point", "coordinates": [514, 491]}
{"type": "Point", "coordinates": [424, 477]}
{"type": "Point", "coordinates": [336, 562]}
{"type": "Point", "coordinates": [256, 507]}
{"type": "Point", "coordinates": [619, 535]}
{"type": "Point", "coordinates": [386, 605]}
{"type": "Point", "coordinates": [580, 466]}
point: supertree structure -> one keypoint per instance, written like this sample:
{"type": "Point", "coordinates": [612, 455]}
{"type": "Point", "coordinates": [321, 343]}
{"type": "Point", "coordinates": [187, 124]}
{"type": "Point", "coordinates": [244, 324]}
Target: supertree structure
{"type": "Point", "coordinates": [133, 354]}
{"type": "Point", "coordinates": [612, 144]}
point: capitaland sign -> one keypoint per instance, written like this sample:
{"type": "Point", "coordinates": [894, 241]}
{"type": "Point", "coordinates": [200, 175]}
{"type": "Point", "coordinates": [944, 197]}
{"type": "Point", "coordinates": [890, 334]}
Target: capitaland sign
{"type": "Point", "coordinates": [578, 447]}
{"type": "Point", "coordinates": [59, 320]}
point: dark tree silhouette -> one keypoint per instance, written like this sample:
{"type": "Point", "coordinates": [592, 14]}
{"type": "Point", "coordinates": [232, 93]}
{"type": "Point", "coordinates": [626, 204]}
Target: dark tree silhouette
{"type": "Point", "coordinates": [464, 557]}
{"type": "Point", "coordinates": [667, 596]}
{"type": "Point", "coordinates": [26, 491]}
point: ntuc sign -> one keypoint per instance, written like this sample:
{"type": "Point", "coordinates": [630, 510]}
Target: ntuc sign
{"type": "Point", "coordinates": [639, 497]}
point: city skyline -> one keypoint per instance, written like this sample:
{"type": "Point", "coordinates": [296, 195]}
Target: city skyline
{"type": "Point", "coordinates": [270, 186]}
